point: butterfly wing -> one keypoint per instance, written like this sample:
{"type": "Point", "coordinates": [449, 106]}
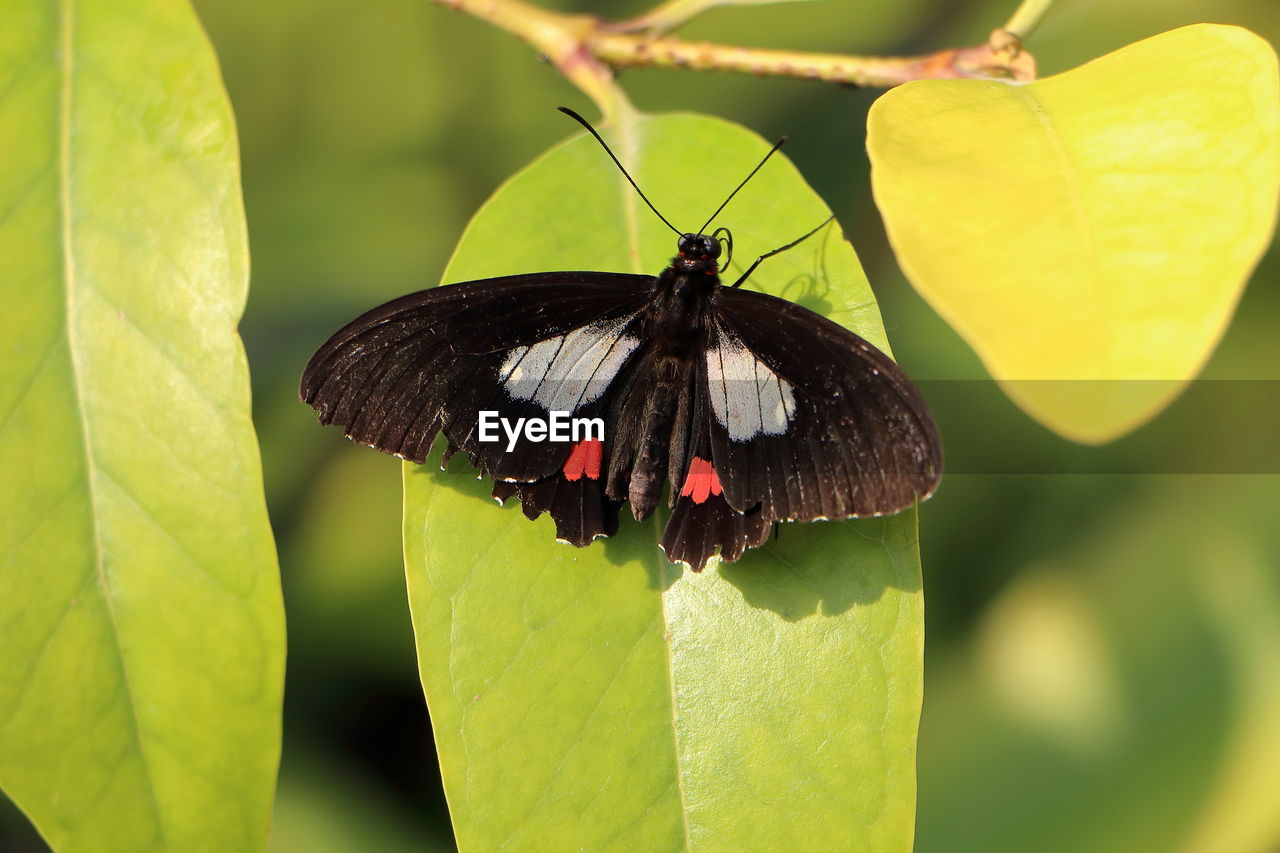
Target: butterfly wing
{"type": "Point", "coordinates": [801, 420]}
{"type": "Point", "coordinates": [518, 345]}
{"type": "Point", "coordinates": [784, 415]}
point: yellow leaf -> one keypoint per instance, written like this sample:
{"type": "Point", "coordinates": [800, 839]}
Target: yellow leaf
{"type": "Point", "coordinates": [1088, 234]}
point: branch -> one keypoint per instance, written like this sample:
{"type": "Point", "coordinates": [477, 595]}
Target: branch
{"type": "Point", "coordinates": [982, 61]}
{"type": "Point", "coordinates": [586, 49]}
{"type": "Point", "coordinates": [561, 38]}
{"type": "Point", "coordinates": [670, 15]}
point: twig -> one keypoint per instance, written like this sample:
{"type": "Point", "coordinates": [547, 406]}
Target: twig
{"type": "Point", "coordinates": [669, 15]}
{"type": "Point", "coordinates": [586, 49]}
{"type": "Point", "coordinates": [561, 38]}
{"type": "Point", "coordinates": [633, 51]}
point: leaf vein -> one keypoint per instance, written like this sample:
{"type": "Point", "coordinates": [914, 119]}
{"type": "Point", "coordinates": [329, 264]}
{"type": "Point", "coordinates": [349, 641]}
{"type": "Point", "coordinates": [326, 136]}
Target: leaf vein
{"type": "Point", "coordinates": [150, 515]}
{"type": "Point", "coordinates": [577, 738]}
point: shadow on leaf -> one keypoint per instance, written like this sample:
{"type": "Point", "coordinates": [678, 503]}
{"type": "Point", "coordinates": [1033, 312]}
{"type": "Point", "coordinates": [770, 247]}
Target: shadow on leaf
{"type": "Point", "coordinates": [822, 568]}
{"type": "Point", "coordinates": [825, 568]}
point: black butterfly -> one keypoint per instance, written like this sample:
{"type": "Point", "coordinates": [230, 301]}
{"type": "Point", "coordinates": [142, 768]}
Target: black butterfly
{"type": "Point", "coordinates": [752, 408]}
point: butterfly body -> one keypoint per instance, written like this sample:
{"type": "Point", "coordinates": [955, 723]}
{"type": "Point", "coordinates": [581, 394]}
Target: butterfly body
{"type": "Point", "coordinates": [748, 409]}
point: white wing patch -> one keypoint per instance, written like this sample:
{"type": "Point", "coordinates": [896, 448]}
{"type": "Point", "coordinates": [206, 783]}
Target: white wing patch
{"type": "Point", "coordinates": [566, 372]}
{"type": "Point", "coordinates": [747, 397]}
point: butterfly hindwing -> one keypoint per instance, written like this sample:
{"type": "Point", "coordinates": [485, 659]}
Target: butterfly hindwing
{"type": "Point", "coordinates": [581, 510]}
{"type": "Point", "coordinates": [702, 522]}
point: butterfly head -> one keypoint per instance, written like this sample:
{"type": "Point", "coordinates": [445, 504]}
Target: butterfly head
{"type": "Point", "coordinates": [701, 252]}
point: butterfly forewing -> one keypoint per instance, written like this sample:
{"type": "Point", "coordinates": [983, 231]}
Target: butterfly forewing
{"type": "Point", "coordinates": [857, 438]}
{"type": "Point", "coordinates": [432, 361]}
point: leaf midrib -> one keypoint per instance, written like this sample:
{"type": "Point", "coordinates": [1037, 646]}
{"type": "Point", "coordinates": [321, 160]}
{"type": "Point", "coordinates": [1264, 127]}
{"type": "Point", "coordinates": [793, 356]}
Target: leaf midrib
{"type": "Point", "coordinates": [67, 70]}
{"type": "Point", "coordinates": [1078, 208]}
{"type": "Point", "coordinates": [629, 135]}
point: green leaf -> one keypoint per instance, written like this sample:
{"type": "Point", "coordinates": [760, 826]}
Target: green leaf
{"type": "Point", "coordinates": [1088, 234]}
{"type": "Point", "coordinates": [140, 612]}
{"type": "Point", "coordinates": [602, 698]}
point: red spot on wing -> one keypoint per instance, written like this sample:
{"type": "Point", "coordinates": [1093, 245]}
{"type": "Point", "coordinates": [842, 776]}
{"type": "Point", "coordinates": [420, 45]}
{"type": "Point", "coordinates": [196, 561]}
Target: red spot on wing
{"type": "Point", "coordinates": [584, 459]}
{"type": "Point", "coordinates": [701, 482]}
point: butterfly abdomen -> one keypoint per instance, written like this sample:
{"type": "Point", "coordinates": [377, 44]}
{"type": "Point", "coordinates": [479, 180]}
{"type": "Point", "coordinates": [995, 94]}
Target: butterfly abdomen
{"type": "Point", "coordinates": [649, 470]}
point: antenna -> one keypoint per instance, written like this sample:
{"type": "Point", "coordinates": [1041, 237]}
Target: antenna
{"type": "Point", "coordinates": [772, 150]}
{"type": "Point", "coordinates": [582, 121]}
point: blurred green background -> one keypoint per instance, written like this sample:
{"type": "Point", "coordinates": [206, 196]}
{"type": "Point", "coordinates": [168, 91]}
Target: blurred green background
{"type": "Point", "coordinates": [1103, 656]}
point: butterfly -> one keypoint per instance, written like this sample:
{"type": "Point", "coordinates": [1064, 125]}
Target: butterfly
{"type": "Point", "coordinates": [577, 392]}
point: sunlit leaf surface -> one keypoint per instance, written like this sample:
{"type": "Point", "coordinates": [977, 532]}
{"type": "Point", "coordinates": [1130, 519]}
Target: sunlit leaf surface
{"type": "Point", "coordinates": [140, 618]}
{"type": "Point", "coordinates": [601, 698]}
{"type": "Point", "coordinates": [1088, 234]}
